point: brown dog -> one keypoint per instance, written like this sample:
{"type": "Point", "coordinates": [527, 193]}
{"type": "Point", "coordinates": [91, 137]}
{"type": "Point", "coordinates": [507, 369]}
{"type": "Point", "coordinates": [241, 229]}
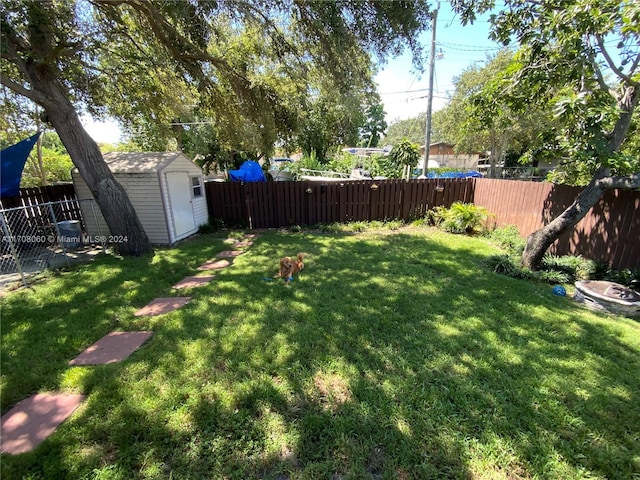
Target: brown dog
{"type": "Point", "coordinates": [289, 266]}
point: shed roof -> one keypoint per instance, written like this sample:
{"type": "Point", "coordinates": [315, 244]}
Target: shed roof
{"type": "Point", "coordinates": [140, 162]}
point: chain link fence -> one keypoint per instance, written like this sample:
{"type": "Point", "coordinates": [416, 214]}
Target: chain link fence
{"type": "Point", "coordinates": [44, 236]}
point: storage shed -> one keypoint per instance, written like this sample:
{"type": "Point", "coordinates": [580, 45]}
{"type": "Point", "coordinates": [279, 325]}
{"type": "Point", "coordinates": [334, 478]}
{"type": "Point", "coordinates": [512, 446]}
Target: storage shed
{"type": "Point", "coordinates": [166, 189]}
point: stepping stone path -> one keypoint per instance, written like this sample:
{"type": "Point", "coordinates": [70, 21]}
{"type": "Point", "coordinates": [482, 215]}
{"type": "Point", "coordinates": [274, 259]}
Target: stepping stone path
{"type": "Point", "coordinates": [160, 306]}
{"type": "Point", "coordinates": [243, 244]}
{"type": "Point", "coordinates": [113, 347]}
{"type": "Point", "coordinates": [35, 418]}
{"type": "Point", "coordinates": [195, 281]}
{"type": "Point", "coordinates": [229, 254]}
{"type": "Point", "coordinates": [214, 265]}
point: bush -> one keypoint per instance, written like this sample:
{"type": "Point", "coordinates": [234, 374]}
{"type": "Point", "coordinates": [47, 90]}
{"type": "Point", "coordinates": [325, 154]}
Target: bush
{"type": "Point", "coordinates": [553, 276]}
{"type": "Point", "coordinates": [508, 237]}
{"type": "Point", "coordinates": [575, 267]}
{"type": "Point", "coordinates": [460, 218]}
{"type": "Point", "coordinates": [506, 265]}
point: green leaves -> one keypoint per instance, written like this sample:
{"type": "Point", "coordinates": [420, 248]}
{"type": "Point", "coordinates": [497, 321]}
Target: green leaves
{"type": "Point", "coordinates": [460, 217]}
{"type": "Point", "coordinates": [404, 153]}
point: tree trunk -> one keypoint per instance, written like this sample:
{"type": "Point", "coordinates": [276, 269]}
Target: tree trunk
{"type": "Point", "coordinates": [539, 241]}
{"type": "Point", "coordinates": [111, 198]}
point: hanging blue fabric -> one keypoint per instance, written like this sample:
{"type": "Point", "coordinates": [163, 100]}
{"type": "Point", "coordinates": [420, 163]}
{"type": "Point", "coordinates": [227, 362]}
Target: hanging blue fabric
{"type": "Point", "coordinates": [12, 160]}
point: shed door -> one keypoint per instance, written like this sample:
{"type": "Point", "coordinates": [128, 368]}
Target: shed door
{"type": "Point", "coordinates": [180, 203]}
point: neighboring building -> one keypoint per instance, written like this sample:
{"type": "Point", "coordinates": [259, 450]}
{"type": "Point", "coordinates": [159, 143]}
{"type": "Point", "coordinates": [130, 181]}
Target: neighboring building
{"type": "Point", "coordinates": [445, 155]}
{"type": "Point", "coordinates": [166, 190]}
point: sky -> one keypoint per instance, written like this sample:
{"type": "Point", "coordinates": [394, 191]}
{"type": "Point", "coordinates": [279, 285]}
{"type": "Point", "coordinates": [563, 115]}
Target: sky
{"type": "Point", "coordinates": [403, 90]}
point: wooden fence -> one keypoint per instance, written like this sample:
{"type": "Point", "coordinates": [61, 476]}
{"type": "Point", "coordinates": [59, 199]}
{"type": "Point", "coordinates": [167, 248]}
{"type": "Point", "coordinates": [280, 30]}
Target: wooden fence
{"type": "Point", "coordinates": [281, 204]}
{"type": "Point", "coordinates": [64, 195]}
{"type": "Point", "coordinates": [36, 195]}
{"type": "Point", "coordinates": [610, 232]}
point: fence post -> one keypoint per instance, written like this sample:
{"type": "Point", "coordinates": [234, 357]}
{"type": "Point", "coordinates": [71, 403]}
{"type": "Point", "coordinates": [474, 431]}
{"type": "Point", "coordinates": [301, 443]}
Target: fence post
{"type": "Point", "coordinates": [12, 247]}
{"type": "Point", "coordinates": [58, 236]}
{"type": "Point", "coordinates": [95, 219]}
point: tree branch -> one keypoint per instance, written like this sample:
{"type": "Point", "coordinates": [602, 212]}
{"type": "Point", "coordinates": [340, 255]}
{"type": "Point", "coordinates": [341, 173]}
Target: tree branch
{"type": "Point", "coordinates": [623, 182]}
{"type": "Point", "coordinates": [633, 68]}
{"type": "Point", "coordinates": [612, 65]}
{"type": "Point", "coordinates": [596, 69]}
{"type": "Point", "coordinates": [32, 95]}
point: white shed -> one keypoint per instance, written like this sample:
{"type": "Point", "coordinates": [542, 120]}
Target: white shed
{"type": "Point", "coordinates": [166, 190]}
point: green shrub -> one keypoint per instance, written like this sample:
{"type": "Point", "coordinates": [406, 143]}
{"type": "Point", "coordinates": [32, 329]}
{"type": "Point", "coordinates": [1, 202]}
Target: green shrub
{"type": "Point", "coordinates": [506, 265]}
{"type": "Point", "coordinates": [575, 267]}
{"type": "Point", "coordinates": [553, 276]}
{"type": "Point", "coordinates": [460, 218]}
{"type": "Point", "coordinates": [508, 237]}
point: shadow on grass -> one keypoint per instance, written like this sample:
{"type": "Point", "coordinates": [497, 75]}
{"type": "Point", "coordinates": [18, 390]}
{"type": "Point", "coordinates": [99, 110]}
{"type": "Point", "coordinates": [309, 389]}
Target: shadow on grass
{"type": "Point", "coordinates": [390, 357]}
{"type": "Point", "coordinates": [46, 325]}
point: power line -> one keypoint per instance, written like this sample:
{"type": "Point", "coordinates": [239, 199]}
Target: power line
{"type": "Point", "coordinates": [405, 91]}
{"type": "Point", "coordinates": [468, 48]}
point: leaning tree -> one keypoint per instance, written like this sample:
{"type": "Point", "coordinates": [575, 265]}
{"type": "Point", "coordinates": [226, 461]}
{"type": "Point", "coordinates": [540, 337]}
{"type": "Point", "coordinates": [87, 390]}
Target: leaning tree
{"type": "Point", "coordinates": [584, 56]}
{"type": "Point", "coordinates": [70, 56]}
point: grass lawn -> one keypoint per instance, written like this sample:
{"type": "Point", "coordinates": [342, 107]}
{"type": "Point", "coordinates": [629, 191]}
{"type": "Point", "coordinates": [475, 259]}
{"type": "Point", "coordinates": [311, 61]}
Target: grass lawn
{"type": "Point", "coordinates": [395, 355]}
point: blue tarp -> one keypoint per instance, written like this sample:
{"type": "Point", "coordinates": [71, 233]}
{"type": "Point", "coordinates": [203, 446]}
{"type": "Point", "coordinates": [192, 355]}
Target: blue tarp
{"type": "Point", "coordinates": [249, 171]}
{"type": "Point", "coordinates": [470, 174]}
{"type": "Point", "coordinates": [12, 160]}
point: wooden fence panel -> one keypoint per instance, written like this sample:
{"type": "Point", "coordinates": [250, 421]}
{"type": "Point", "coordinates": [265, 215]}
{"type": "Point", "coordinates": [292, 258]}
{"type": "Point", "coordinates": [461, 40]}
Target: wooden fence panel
{"type": "Point", "coordinates": [608, 233]}
{"type": "Point", "coordinates": [279, 204]}
{"type": "Point", "coordinates": [37, 197]}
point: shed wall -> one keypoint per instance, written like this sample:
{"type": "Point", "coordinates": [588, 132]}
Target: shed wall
{"type": "Point", "coordinates": [143, 190]}
{"type": "Point", "coordinates": [94, 221]}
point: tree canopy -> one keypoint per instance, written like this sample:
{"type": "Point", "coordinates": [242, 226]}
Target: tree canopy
{"type": "Point", "coordinates": [479, 118]}
{"type": "Point", "coordinates": [584, 57]}
{"type": "Point", "coordinates": [150, 62]}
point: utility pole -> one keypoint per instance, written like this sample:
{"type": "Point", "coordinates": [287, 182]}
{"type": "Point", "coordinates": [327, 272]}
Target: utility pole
{"type": "Point", "coordinates": [432, 64]}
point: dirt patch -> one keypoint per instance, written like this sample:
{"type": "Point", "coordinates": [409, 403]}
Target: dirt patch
{"type": "Point", "coordinates": [333, 391]}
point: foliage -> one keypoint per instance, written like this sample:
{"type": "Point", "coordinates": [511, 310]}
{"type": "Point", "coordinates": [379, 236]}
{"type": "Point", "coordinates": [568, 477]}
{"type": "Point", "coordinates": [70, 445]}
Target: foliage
{"type": "Point", "coordinates": [507, 237]}
{"type": "Point", "coordinates": [413, 129]}
{"type": "Point", "coordinates": [506, 264]}
{"type": "Point", "coordinates": [343, 162]}
{"type": "Point", "coordinates": [576, 267]}
{"type": "Point", "coordinates": [392, 165]}
{"type": "Point", "coordinates": [309, 162]}
{"type": "Point", "coordinates": [270, 74]}
{"type": "Point", "coordinates": [56, 166]}
{"type": "Point", "coordinates": [479, 119]}
{"type": "Point", "coordinates": [568, 59]}
{"type": "Point", "coordinates": [404, 153]}
{"type": "Point", "coordinates": [460, 217]}
{"type": "Point", "coordinates": [375, 125]}
{"type": "Point", "coordinates": [330, 120]}
{"type": "Point", "coordinates": [584, 59]}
